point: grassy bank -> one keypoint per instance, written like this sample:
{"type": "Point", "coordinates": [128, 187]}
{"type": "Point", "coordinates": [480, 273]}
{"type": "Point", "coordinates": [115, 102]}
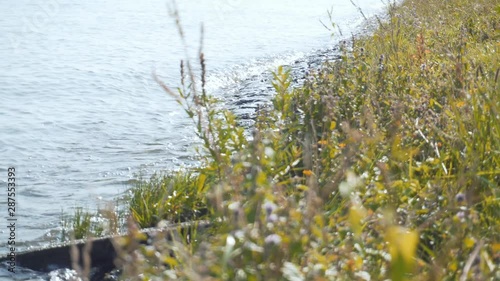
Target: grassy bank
{"type": "Point", "coordinates": [385, 164]}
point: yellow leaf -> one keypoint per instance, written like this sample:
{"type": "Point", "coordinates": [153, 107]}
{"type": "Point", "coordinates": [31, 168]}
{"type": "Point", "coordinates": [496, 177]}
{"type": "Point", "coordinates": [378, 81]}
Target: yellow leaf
{"type": "Point", "coordinates": [319, 220]}
{"type": "Point", "coordinates": [333, 152]}
{"type": "Point", "coordinates": [356, 215]}
{"type": "Point", "coordinates": [141, 236]}
{"type": "Point", "coordinates": [359, 262]}
{"type": "Point", "coordinates": [302, 187]}
{"type": "Point", "coordinates": [170, 261]}
{"type": "Point", "coordinates": [201, 182]}
{"type": "Point", "coordinates": [402, 243]}
{"type": "Point", "coordinates": [422, 212]}
{"type": "Point", "coordinates": [316, 231]}
{"type": "Point", "coordinates": [333, 124]}
{"type": "Point", "coordinates": [261, 178]}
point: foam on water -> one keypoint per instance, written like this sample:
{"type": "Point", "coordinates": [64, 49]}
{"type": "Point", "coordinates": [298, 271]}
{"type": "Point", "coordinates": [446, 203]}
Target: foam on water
{"type": "Point", "coordinates": [229, 77]}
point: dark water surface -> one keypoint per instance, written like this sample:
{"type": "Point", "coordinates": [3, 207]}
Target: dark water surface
{"type": "Point", "coordinates": [80, 114]}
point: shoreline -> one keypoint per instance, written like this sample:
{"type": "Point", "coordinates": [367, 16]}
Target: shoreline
{"type": "Point", "coordinates": [342, 172]}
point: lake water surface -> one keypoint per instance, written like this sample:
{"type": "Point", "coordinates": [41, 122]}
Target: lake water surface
{"type": "Point", "coordinates": [80, 114]}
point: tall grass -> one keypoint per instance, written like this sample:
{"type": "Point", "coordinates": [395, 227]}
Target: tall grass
{"type": "Point", "coordinates": [173, 198]}
{"type": "Point", "coordinates": [384, 165]}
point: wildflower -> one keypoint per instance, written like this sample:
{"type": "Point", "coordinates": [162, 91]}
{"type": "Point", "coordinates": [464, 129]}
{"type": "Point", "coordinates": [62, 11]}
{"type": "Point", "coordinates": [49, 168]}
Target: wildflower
{"type": "Point", "coordinates": [234, 206]}
{"type": "Point", "coordinates": [308, 173]}
{"type": "Point", "coordinates": [269, 207]}
{"type": "Point", "coordinates": [322, 142]}
{"type": "Point", "coordinates": [230, 241]}
{"type": "Point", "coordinates": [460, 216]}
{"type": "Point", "coordinates": [352, 181]}
{"type": "Point", "coordinates": [381, 62]}
{"type": "Point", "coordinates": [272, 218]}
{"type": "Point", "coordinates": [460, 198]}
{"type": "Point", "coordinates": [273, 239]}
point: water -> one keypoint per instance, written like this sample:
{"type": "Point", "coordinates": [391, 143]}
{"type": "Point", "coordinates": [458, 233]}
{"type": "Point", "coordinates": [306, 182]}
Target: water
{"type": "Point", "coordinates": [80, 114]}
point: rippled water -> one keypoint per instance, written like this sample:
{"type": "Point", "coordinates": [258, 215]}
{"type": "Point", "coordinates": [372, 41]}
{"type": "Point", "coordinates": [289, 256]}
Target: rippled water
{"type": "Point", "coordinates": [79, 111]}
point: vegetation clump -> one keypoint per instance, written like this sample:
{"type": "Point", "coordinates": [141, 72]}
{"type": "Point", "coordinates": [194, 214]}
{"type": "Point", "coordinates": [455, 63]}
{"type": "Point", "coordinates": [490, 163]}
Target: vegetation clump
{"type": "Point", "coordinates": [174, 198]}
{"type": "Point", "coordinates": [383, 165]}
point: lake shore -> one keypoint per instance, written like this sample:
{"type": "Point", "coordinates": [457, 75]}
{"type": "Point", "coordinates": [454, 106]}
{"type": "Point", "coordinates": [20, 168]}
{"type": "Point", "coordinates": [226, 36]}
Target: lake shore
{"type": "Point", "coordinates": [383, 164]}
{"type": "Point", "coordinates": [81, 112]}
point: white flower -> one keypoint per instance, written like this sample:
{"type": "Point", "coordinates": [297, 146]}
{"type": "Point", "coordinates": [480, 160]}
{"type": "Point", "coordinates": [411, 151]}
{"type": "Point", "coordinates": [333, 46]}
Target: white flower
{"type": "Point", "coordinates": [352, 181]}
{"type": "Point", "coordinates": [273, 239]}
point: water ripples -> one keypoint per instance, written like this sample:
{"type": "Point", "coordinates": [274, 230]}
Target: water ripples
{"type": "Point", "coordinates": [80, 113]}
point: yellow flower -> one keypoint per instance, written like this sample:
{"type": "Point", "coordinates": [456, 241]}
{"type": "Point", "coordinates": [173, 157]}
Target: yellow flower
{"type": "Point", "coordinates": [308, 173]}
{"type": "Point", "coordinates": [460, 104]}
{"type": "Point", "coordinates": [322, 142]}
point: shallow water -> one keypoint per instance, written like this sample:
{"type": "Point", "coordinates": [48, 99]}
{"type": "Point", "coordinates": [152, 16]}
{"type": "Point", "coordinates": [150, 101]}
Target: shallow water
{"type": "Point", "coordinates": [80, 115]}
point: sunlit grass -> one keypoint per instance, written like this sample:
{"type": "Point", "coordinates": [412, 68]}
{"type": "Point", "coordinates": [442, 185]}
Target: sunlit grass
{"type": "Point", "coordinates": [173, 198]}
